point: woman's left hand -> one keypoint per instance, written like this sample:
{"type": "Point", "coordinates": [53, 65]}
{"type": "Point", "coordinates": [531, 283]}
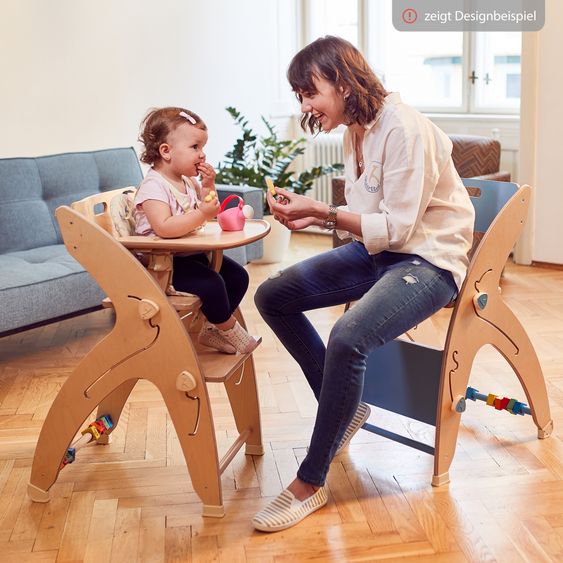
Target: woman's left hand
{"type": "Point", "coordinates": [207, 173]}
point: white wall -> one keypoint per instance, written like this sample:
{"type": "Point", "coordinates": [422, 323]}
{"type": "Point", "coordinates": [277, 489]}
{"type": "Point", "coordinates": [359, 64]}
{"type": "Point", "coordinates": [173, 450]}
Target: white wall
{"type": "Point", "coordinates": [80, 75]}
{"type": "Point", "coordinates": [542, 137]}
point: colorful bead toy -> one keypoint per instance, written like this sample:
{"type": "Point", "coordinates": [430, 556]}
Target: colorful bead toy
{"type": "Point", "coordinates": [95, 429]}
{"type": "Point", "coordinates": [511, 405]}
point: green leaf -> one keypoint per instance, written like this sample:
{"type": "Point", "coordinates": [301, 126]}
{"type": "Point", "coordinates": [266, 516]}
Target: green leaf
{"type": "Point", "coordinates": [254, 157]}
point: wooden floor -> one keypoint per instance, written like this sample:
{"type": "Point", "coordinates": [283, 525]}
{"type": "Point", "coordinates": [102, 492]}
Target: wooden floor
{"type": "Point", "coordinates": [132, 500]}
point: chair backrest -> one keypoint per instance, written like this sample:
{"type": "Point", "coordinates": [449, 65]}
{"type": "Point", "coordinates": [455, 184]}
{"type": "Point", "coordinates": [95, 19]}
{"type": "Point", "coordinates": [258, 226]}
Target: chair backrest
{"type": "Point", "coordinates": [113, 210]}
{"type": "Point", "coordinates": [488, 198]}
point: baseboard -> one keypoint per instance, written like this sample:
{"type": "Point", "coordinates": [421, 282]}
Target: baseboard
{"type": "Point", "coordinates": [547, 265]}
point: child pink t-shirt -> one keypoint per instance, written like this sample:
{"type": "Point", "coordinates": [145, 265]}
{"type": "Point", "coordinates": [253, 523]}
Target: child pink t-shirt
{"type": "Point", "coordinates": [155, 186]}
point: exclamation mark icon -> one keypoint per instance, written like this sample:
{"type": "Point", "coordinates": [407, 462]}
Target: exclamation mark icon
{"type": "Point", "coordinates": [409, 15]}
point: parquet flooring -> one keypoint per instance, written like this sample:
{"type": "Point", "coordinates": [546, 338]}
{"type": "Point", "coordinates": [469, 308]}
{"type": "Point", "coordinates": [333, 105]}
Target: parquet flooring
{"type": "Point", "coordinates": [133, 501]}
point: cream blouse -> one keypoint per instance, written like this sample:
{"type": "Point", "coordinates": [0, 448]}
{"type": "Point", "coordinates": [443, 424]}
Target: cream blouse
{"type": "Point", "coordinates": [410, 197]}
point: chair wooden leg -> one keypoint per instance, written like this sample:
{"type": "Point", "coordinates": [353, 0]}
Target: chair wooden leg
{"type": "Point", "coordinates": [192, 419]}
{"type": "Point", "coordinates": [243, 396]}
{"type": "Point", "coordinates": [456, 371]}
{"type": "Point", "coordinates": [67, 413]}
{"type": "Point", "coordinates": [525, 363]}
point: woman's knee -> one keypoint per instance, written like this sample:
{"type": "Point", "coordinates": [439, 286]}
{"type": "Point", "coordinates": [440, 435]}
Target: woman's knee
{"type": "Point", "coordinates": [265, 296]}
{"type": "Point", "coordinates": [274, 293]}
{"type": "Point", "coordinates": [345, 337]}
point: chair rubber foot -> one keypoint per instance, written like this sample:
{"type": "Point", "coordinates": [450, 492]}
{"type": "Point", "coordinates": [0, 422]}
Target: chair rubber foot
{"type": "Point", "coordinates": [546, 431]}
{"type": "Point", "coordinates": [213, 511]}
{"type": "Point", "coordinates": [36, 494]}
{"type": "Point", "coordinates": [442, 479]}
{"type": "Point", "coordinates": [254, 449]}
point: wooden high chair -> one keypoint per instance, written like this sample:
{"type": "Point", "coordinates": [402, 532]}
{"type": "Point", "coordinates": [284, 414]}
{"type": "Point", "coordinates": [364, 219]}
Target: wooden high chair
{"type": "Point", "coordinates": [150, 340]}
{"type": "Point", "coordinates": [417, 377]}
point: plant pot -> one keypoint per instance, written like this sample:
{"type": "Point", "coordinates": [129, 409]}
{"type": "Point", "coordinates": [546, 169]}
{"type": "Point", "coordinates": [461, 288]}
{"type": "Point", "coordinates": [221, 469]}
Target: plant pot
{"type": "Point", "coordinates": [276, 242]}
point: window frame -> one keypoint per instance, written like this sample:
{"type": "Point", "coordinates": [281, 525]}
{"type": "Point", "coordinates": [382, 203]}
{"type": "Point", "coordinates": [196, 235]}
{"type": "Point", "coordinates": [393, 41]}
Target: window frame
{"type": "Point", "coordinates": [469, 91]}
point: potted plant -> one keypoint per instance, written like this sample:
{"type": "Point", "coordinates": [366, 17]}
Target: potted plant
{"type": "Point", "coordinates": [254, 157]}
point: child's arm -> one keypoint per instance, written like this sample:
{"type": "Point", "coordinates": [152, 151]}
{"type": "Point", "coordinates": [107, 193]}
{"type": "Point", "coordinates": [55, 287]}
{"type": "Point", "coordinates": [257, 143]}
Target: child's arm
{"type": "Point", "coordinates": [166, 225]}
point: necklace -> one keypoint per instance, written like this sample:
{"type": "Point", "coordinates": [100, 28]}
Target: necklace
{"type": "Point", "coordinates": [359, 153]}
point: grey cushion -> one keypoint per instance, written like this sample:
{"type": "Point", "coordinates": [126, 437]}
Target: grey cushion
{"type": "Point", "coordinates": [25, 221]}
{"type": "Point", "coordinates": [38, 278]}
{"type": "Point", "coordinates": [42, 283]}
{"type": "Point", "coordinates": [32, 188]}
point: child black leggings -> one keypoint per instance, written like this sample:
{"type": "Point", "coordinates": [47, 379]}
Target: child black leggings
{"type": "Point", "coordinates": [220, 292]}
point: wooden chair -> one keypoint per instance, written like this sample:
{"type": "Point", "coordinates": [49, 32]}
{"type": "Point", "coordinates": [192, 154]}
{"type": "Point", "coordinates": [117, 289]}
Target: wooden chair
{"type": "Point", "coordinates": [417, 377]}
{"type": "Point", "coordinates": [150, 340]}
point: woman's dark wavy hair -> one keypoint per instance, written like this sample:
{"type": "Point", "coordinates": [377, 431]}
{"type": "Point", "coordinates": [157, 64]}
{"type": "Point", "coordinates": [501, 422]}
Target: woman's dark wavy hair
{"type": "Point", "coordinates": [157, 125]}
{"type": "Point", "coordinates": [339, 62]}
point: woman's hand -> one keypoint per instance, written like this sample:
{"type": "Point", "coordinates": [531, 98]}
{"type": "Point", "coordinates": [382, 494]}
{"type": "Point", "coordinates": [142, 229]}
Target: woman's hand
{"type": "Point", "coordinates": [298, 210]}
{"type": "Point", "coordinates": [299, 224]}
{"type": "Point", "coordinates": [207, 173]}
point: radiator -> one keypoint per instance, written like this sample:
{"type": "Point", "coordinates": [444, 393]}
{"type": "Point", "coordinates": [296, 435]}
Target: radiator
{"type": "Point", "coordinates": [322, 150]}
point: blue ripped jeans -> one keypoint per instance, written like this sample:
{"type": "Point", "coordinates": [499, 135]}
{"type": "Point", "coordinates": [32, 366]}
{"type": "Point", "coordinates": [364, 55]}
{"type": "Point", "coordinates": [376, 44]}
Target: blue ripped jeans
{"type": "Point", "coordinates": [394, 292]}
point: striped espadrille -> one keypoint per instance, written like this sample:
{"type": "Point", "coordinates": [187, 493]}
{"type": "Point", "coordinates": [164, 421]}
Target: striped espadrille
{"type": "Point", "coordinates": [286, 511]}
{"type": "Point", "coordinates": [362, 414]}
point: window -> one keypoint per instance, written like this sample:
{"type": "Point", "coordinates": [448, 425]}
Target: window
{"type": "Point", "coordinates": [456, 72]}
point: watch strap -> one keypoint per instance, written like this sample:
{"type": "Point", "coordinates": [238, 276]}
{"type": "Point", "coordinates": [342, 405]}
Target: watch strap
{"type": "Point", "coordinates": [330, 221]}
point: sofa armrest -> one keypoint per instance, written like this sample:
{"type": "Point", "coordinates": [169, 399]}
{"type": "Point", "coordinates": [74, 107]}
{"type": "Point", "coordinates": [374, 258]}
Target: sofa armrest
{"type": "Point", "coordinates": [254, 197]}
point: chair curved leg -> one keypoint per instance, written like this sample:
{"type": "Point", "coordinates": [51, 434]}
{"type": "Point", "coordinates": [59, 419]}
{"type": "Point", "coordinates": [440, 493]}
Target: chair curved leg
{"type": "Point", "coordinates": [243, 396]}
{"type": "Point", "coordinates": [78, 397]}
{"type": "Point", "coordinates": [69, 410]}
{"type": "Point", "coordinates": [525, 363]}
{"type": "Point", "coordinates": [455, 378]}
{"type": "Point", "coordinates": [199, 446]}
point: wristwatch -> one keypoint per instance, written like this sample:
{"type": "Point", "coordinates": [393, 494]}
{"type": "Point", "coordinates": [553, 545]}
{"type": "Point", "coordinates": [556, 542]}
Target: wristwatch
{"type": "Point", "coordinates": [330, 221]}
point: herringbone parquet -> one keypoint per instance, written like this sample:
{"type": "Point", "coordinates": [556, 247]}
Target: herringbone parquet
{"type": "Point", "coordinates": [132, 500]}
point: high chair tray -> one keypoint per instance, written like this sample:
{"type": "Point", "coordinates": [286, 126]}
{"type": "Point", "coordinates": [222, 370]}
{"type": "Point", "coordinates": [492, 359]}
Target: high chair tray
{"type": "Point", "coordinates": [211, 237]}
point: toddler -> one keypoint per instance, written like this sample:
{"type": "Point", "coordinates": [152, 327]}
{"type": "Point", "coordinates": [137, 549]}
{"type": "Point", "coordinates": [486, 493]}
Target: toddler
{"type": "Point", "coordinates": [170, 203]}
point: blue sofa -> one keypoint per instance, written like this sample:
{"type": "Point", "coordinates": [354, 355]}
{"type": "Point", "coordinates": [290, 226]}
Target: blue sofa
{"type": "Point", "coordinates": [39, 280]}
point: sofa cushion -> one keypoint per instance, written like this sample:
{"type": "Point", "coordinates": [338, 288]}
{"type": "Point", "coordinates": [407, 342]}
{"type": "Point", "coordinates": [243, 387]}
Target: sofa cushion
{"type": "Point", "coordinates": [32, 188]}
{"type": "Point", "coordinates": [43, 283]}
{"type": "Point", "coordinates": [25, 220]}
{"type": "Point", "coordinates": [35, 265]}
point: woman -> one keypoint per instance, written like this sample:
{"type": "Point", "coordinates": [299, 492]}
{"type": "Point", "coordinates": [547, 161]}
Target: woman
{"type": "Point", "coordinates": [412, 222]}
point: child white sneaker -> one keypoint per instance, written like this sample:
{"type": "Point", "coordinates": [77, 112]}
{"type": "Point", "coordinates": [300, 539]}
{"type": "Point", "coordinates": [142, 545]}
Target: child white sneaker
{"type": "Point", "coordinates": [237, 337]}
{"type": "Point", "coordinates": [212, 337]}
